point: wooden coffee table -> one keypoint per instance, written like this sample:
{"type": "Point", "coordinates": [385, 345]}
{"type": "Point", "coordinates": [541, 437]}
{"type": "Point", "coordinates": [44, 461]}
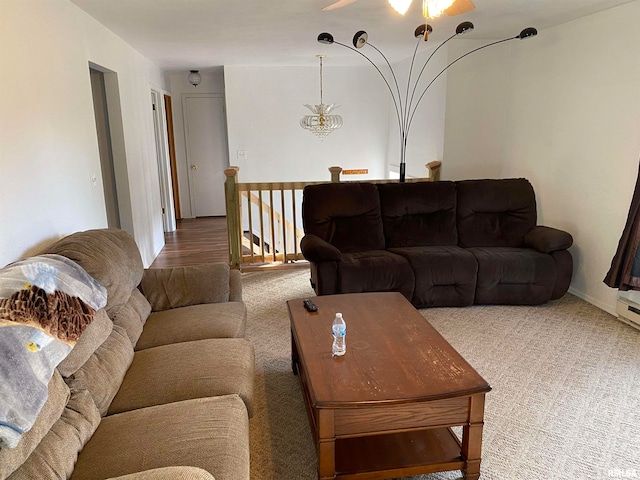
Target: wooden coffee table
{"type": "Point", "coordinates": [386, 408]}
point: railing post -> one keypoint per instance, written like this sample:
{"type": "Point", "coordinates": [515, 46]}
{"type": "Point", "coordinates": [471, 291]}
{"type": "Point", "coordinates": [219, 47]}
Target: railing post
{"type": "Point", "coordinates": [232, 201]}
{"type": "Point", "coordinates": [434, 170]}
{"type": "Point", "coordinates": [335, 174]}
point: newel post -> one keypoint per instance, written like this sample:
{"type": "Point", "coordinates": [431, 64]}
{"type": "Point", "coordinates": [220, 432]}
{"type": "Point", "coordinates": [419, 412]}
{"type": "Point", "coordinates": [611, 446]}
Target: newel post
{"type": "Point", "coordinates": [232, 202]}
{"type": "Point", "coordinates": [434, 170]}
{"type": "Point", "coordinates": [335, 174]}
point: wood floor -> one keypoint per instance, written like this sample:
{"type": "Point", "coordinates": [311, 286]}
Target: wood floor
{"type": "Point", "coordinates": [195, 241]}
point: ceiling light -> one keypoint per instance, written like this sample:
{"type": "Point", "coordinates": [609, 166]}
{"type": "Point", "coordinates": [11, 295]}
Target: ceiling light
{"type": "Point", "coordinates": [321, 123]}
{"type": "Point", "coordinates": [194, 78]}
{"type": "Point", "coordinates": [400, 6]}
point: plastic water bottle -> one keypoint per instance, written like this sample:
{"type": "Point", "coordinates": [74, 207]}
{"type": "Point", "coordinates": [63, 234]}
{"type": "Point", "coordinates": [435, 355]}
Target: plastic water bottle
{"type": "Point", "coordinates": [339, 329]}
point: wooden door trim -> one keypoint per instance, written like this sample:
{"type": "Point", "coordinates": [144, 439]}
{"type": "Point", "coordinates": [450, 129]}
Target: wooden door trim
{"type": "Point", "coordinates": [172, 156]}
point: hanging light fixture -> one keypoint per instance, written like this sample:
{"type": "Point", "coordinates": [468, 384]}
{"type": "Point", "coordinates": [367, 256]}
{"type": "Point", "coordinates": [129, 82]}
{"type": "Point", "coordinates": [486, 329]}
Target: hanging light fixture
{"type": "Point", "coordinates": [321, 123]}
{"type": "Point", "coordinates": [194, 78]}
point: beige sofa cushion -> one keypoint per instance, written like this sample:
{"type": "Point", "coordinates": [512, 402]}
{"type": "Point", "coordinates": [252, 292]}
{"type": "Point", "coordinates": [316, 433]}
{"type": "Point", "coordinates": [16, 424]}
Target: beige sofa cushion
{"type": "Point", "coordinates": [58, 396]}
{"type": "Point", "coordinates": [209, 433]}
{"type": "Point", "coordinates": [111, 256]}
{"type": "Point", "coordinates": [56, 454]}
{"type": "Point", "coordinates": [169, 473]}
{"type": "Point", "coordinates": [93, 336]}
{"type": "Point", "coordinates": [167, 288]}
{"type": "Point", "coordinates": [132, 315]}
{"type": "Point", "coordinates": [105, 369]}
{"type": "Point", "coordinates": [182, 371]}
{"type": "Point", "coordinates": [214, 320]}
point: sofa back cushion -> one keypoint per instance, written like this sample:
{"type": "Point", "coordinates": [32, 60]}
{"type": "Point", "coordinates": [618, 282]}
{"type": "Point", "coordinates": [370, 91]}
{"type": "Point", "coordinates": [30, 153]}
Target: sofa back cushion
{"type": "Point", "coordinates": [495, 213]}
{"type": "Point", "coordinates": [57, 453]}
{"type": "Point", "coordinates": [58, 396]}
{"type": "Point", "coordinates": [418, 214]}
{"type": "Point", "coordinates": [347, 215]}
{"type": "Point", "coordinates": [111, 256]}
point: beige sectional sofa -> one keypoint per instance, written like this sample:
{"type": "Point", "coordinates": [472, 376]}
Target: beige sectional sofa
{"type": "Point", "coordinates": [158, 386]}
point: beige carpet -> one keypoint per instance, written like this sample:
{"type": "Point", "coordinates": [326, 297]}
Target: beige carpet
{"type": "Point", "coordinates": [565, 402]}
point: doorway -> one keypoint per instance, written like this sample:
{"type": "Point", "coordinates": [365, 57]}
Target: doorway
{"type": "Point", "coordinates": [110, 136]}
{"type": "Point", "coordinates": [104, 145]}
{"type": "Point", "coordinates": [207, 152]}
{"type": "Point", "coordinates": [162, 157]}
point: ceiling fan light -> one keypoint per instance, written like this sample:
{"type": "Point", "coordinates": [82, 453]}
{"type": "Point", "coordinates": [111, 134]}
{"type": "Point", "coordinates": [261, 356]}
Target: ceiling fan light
{"type": "Point", "coordinates": [435, 8]}
{"type": "Point", "coordinates": [400, 6]}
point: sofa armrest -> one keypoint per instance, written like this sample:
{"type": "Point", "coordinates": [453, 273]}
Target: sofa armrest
{"type": "Point", "coordinates": [547, 239]}
{"type": "Point", "coordinates": [168, 473]}
{"type": "Point", "coordinates": [316, 249]}
{"type": "Point", "coordinates": [175, 287]}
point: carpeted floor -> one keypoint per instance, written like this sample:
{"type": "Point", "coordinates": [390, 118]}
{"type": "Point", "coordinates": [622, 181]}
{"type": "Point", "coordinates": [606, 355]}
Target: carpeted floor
{"type": "Point", "coordinates": [565, 402]}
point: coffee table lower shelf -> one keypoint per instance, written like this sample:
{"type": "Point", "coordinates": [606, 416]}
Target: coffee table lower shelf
{"type": "Point", "coordinates": [408, 453]}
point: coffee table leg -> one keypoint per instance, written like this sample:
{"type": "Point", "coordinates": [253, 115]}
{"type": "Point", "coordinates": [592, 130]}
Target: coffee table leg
{"type": "Point", "coordinates": [472, 438]}
{"type": "Point", "coordinates": [326, 445]}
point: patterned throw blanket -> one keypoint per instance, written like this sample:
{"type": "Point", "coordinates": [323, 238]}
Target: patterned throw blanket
{"type": "Point", "coordinates": [46, 302]}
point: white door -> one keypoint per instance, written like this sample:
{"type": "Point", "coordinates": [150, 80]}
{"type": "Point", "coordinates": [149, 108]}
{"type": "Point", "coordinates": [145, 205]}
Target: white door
{"type": "Point", "coordinates": [207, 153]}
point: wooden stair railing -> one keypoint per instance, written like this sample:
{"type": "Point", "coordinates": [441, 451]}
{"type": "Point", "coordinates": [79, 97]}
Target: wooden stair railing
{"type": "Point", "coordinates": [273, 228]}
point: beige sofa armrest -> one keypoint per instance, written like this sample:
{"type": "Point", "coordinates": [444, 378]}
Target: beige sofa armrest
{"type": "Point", "coordinates": [167, 288]}
{"type": "Point", "coordinates": [168, 473]}
{"type": "Point", "coordinates": [235, 286]}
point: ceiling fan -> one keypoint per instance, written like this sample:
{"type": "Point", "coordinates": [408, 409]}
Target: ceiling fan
{"type": "Point", "coordinates": [430, 8]}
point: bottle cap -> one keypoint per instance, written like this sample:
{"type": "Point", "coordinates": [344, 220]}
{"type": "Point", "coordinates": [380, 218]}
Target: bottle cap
{"type": "Point", "coordinates": [339, 315]}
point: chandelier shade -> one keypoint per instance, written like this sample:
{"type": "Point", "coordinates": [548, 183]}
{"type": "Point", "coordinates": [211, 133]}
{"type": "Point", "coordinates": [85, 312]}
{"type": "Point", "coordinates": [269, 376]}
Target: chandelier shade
{"type": "Point", "coordinates": [321, 123]}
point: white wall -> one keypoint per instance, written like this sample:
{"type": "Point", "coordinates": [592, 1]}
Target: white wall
{"type": "Point", "coordinates": [567, 117]}
{"type": "Point", "coordinates": [48, 145]}
{"type": "Point", "coordinates": [264, 107]}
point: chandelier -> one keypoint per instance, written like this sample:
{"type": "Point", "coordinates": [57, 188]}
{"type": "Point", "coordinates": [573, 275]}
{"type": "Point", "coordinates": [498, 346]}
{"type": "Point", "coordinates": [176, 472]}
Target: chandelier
{"type": "Point", "coordinates": [321, 123]}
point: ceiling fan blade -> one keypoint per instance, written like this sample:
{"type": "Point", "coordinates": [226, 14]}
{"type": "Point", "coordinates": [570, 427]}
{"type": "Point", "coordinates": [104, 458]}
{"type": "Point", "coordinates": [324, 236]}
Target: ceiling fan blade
{"type": "Point", "coordinates": [459, 7]}
{"type": "Point", "coordinates": [338, 4]}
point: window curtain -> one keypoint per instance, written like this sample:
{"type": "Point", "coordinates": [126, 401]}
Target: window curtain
{"type": "Point", "coordinates": [624, 273]}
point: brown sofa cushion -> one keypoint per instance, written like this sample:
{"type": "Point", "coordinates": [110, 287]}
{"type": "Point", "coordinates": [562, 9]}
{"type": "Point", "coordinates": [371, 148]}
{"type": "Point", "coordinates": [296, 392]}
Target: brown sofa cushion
{"type": "Point", "coordinates": [182, 371]}
{"type": "Point", "coordinates": [347, 215]}
{"type": "Point", "coordinates": [513, 276]}
{"type": "Point", "coordinates": [214, 320]}
{"type": "Point", "coordinates": [105, 369]}
{"type": "Point", "coordinates": [445, 276]}
{"type": "Point", "coordinates": [495, 213]}
{"type": "Point", "coordinates": [375, 271]}
{"type": "Point", "coordinates": [167, 288]}
{"type": "Point", "coordinates": [58, 396]}
{"type": "Point", "coordinates": [209, 433]}
{"type": "Point", "coordinates": [169, 473]}
{"type": "Point", "coordinates": [419, 214]}
{"type": "Point", "coordinates": [132, 315]}
{"type": "Point", "coordinates": [56, 454]}
{"type": "Point", "coordinates": [93, 336]}
{"type": "Point", "coordinates": [111, 256]}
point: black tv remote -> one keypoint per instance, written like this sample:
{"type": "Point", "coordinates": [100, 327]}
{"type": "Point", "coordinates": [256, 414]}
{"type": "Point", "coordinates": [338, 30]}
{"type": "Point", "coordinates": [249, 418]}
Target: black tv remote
{"type": "Point", "coordinates": [310, 306]}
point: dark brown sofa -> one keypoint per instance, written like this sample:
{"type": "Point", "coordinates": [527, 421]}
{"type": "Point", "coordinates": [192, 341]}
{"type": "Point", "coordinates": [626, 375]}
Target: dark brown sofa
{"type": "Point", "coordinates": [438, 243]}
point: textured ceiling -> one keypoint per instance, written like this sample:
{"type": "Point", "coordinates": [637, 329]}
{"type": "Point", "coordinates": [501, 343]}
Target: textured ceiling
{"type": "Point", "coordinates": [201, 34]}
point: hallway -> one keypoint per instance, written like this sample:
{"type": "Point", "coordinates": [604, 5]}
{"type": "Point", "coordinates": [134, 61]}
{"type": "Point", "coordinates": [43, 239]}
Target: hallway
{"type": "Point", "coordinates": [195, 241]}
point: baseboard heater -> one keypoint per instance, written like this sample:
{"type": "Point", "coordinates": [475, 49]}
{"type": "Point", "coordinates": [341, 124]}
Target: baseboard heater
{"type": "Point", "coordinates": [628, 312]}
